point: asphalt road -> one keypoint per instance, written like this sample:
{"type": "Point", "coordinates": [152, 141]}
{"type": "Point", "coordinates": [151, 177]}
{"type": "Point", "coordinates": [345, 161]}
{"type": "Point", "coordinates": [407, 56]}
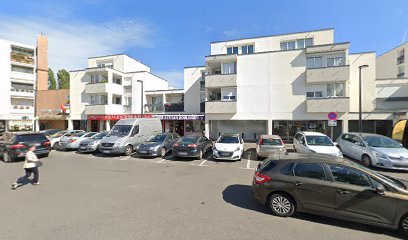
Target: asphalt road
{"type": "Point", "coordinates": [90, 197]}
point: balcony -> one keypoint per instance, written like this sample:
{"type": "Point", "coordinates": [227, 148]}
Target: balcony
{"type": "Point", "coordinates": [328, 74]}
{"type": "Point", "coordinates": [321, 105]}
{"type": "Point", "coordinates": [154, 108]}
{"type": "Point", "coordinates": [103, 109]}
{"type": "Point", "coordinates": [22, 109]}
{"type": "Point", "coordinates": [221, 107]}
{"type": "Point", "coordinates": [24, 58]}
{"type": "Point", "coordinates": [221, 80]}
{"type": "Point", "coordinates": [102, 87]}
{"type": "Point", "coordinates": [174, 107]}
{"type": "Point", "coordinates": [22, 93]}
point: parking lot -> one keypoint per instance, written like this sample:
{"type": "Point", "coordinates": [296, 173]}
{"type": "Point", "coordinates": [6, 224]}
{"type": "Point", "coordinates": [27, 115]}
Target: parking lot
{"type": "Point", "coordinates": [85, 196]}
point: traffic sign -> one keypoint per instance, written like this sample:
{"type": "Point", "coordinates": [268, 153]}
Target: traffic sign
{"type": "Point", "coordinates": [332, 123]}
{"type": "Point", "coordinates": [332, 116]}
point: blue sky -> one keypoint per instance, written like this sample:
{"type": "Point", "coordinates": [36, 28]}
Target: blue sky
{"type": "Point", "coordinates": [169, 35]}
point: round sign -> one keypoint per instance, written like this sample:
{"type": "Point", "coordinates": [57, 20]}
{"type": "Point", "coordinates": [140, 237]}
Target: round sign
{"type": "Point", "coordinates": [332, 116]}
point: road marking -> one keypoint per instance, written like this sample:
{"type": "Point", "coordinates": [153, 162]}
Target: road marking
{"type": "Point", "coordinates": [161, 161]}
{"type": "Point", "coordinates": [248, 163]}
{"type": "Point", "coordinates": [202, 163]}
{"type": "Point", "coordinates": [124, 159]}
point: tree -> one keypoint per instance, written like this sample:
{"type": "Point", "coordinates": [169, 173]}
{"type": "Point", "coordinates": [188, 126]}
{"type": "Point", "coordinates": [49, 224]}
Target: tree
{"type": "Point", "coordinates": [52, 83]}
{"type": "Point", "coordinates": [63, 79]}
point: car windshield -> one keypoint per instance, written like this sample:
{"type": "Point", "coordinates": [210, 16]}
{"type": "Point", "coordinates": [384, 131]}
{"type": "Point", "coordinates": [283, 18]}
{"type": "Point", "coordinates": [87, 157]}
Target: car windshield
{"type": "Point", "coordinates": [271, 141]}
{"type": "Point", "coordinates": [80, 134]}
{"type": "Point", "coordinates": [392, 181]}
{"type": "Point", "coordinates": [228, 139]}
{"type": "Point", "coordinates": [120, 130]}
{"type": "Point", "coordinates": [99, 135]}
{"type": "Point", "coordinates": [58, 134]}
{"type": "Point", "coordinates": [188, 140]}
{"type": "Point", "coordinates": [319, 141]}
{"type": "Point", "coordinates": [156, 138]}
{"type": "Point", "coordinates": [381, 142]}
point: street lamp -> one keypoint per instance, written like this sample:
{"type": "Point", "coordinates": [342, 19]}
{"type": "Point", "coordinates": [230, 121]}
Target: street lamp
{"type": "Point", "coordinates": [360, 118]}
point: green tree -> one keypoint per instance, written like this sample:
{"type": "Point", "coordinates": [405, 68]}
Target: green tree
{"type": "Point", "coordinates": [63, 79]}
{"type": "Point", "coordinates": [52, 83]}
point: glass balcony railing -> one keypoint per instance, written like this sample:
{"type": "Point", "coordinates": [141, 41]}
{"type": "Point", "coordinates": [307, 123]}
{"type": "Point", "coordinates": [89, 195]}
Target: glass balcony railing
{"type": "Point", "coordinates": [174, 107]}
{"type": "Point", "coordinates": [22, 58]}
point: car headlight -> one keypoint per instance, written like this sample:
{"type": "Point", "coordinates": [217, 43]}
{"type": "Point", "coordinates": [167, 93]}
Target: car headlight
{"type": "Point", "coordinates": [117, 143]}
{"type": "Point", "coordinates": [339, 154]}
{"type": "Point", "coordinates": [380, 155]}
{"type": "Point", "coordinates": [155, 148]}
{"type": "Point", "coordinates": [238, 148]}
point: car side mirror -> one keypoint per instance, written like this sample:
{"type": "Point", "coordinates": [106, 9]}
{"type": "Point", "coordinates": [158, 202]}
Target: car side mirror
{"type": "Point", "coordinates": [380, 189]}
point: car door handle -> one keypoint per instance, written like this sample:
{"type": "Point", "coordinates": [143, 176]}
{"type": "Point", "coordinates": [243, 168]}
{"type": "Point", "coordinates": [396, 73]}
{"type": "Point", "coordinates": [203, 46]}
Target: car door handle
{"type": "Point", "coordinates": [342, 192]}
{"type": "Point", "coordinates": [298, 183]}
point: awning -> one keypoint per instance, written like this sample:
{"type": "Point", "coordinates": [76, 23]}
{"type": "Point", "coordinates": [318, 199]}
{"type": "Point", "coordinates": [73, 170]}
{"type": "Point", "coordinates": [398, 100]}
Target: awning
{"type": "Point", "coordinates": [398, 130]}
{"type": "Point", "coordinates": [181, 117]}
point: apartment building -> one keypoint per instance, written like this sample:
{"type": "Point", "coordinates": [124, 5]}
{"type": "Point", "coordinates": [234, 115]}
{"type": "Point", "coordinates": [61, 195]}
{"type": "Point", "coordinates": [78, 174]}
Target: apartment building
{"type": "Point", "coordinates": [286, 83]}
{"type": "Point", "coordinates": [17, 75]}
{"type": "Point", "coordinates": [110, 88]}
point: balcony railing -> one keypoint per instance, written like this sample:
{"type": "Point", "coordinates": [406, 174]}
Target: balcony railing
{"type": "Point", "coordinates": [174, 107]}
{"type": "Point", "coordinates": [220, 80]}
{"type": "Point", "coordinates": [154, 108]}
{"type": "Point", "coordinates": [221, 107]}
{"type": "Point", "coordinates": [328, 74]}
{"type": "Point", "coordinates": [22, 58]}
{"type": "Point", "coordinates": [322, 105]}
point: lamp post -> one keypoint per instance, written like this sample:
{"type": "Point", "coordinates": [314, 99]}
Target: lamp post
{"type": "Point", "coordinates": [360, 104]}
{"type": "Point", "coordinates": [141, 82]}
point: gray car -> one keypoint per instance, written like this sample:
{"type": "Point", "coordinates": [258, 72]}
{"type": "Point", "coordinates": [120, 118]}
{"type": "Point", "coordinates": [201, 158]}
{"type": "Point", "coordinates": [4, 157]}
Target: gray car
{"type": "Point", "coordinates": [269, 144]}
{"type": "Point", "coordinates": [71, 142]}
{"type": "Point", "coordinates": [157, 145]}
{"type": "Point", "coordinates": [374, 150]}
{"type": "Point", "coordinates": [91, 144]}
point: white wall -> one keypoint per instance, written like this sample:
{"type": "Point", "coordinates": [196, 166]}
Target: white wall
{"type": "Point", "coordinates": [121, 63]}
{"type": "Point", "coordinates": [192, 78]}
{"type": "Point", "coordinates": [272, 43]}
{"type": "Point", "coordinates": [387, 63]}
{"type": "Point", "coordinates": [78, 98]}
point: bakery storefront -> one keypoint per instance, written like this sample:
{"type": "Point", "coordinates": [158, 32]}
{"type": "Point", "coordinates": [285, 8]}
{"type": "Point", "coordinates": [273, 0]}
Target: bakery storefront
{"type": "Point", "coordinates": [182, 124]}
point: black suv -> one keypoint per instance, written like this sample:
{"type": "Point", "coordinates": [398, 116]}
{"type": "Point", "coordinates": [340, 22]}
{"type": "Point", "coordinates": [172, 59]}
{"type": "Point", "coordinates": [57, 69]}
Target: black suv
{"type": "Point", "coordinates": [14, 145]}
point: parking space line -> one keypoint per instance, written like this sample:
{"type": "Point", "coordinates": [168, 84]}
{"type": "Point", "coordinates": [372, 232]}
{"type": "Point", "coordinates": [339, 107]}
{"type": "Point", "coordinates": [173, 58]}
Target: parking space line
{"type": "Point", "coordinates": [161, 161]}
{"type": "Point", "coordinates": [202, 163]}
{"type": "Point", "coordinates": [125, 158]}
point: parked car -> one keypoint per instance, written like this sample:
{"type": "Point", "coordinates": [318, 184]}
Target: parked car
{"type": "Point", "coordinates": [128, 133]}
{"type": "Point", "coordinates": [191, 146]}
{"type": "Point", "coordinates": [315, 142]}
{"type": "Point", "coordinates": [269, 144]}
{"type": "Point", "coordinates": [331, 186]}
{"type": "Point", "coordinates": [374, 150]}
{"type": "Point", "coordinates": [157, 145]}
{"type": "Point", "coordinates": [71, 142]}
{"type": "Point", "coordinates": [91, 144]}
{"type": "Point", "coordinates": [15, 145]}
{"type": "Point", "coordinates": [228, 147]}
{"type": "Point", "coordinates": [49, 132]}
{"type": "Point", "coordinates": [55, 138]}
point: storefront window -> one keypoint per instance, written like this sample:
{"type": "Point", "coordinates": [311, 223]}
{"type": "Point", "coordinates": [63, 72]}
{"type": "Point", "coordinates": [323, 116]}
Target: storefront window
{"type": "Point", "coordinates": [287, 129]}
{"type": "Point", "coordinates": [194, 126]}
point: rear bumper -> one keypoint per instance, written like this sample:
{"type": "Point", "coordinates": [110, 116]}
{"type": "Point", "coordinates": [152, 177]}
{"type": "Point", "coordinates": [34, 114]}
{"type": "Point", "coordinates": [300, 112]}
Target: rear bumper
{"type": "Point", "coordinates": [259, 194]}
{"type": "Point", "coordinates": [192, 153]}
{"type": "Point", "coordinates": [114, 150]}
{"type": "Point", "coordinates": [266, 154]}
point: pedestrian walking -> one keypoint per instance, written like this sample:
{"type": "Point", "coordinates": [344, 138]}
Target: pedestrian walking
{"type": "Point", "coordinates": [31, 165]}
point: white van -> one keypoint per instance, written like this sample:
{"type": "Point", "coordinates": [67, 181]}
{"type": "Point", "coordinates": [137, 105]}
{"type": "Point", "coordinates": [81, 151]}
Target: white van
{"type": "Point", "coordinates": [127, 134]}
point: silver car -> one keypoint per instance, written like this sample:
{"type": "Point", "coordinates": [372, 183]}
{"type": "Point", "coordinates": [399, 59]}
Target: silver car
{"type": "Point", "coordinates": [374, 150]}
{"type": "Point", "coordinates": [71, 142]}
{"type": "Point", "coordinates": [269, 144]}
{"type": "Point", "coordinates": [91, 144]}
{"type": "Point", "coordinates": [157, 145]}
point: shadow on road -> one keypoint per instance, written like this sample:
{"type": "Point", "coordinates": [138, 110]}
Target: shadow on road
{"type": "Point", "coordinates": [241, 196]}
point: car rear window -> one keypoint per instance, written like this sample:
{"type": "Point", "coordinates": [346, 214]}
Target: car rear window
{"type": "Point", "coordinates": [188, 140]}
{"type": "Point", "coordinates": [31, 138]}
{"type": "Point", "coordinates": [267, 165]}
{"type": "Point", "coordinates": [271, 141]}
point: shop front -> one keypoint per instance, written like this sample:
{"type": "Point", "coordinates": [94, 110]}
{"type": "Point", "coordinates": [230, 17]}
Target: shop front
{"type": "Point", "coordinates": [182, 124]}
{"type": "Point", "coordinates": [20, 125]}
{"type": "Point", "coordinates": [98, 123]}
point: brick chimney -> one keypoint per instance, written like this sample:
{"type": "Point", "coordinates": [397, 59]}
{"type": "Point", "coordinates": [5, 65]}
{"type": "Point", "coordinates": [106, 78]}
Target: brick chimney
{"type": "Point", "coordinates": [42, 62]}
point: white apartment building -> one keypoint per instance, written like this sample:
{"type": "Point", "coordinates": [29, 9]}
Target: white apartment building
{"type": "Point", "coordinates": [17, 75]}
{"type": "Point", "coordinates": [282, 84]}
{"type": "Point", "coordinates": [110, 88]}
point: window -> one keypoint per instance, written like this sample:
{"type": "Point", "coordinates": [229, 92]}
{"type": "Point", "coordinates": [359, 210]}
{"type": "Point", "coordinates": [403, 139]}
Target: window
{"type": "Point", "coordinates": [401, 56]}
{"type": "Point", "coordinates": [229, 98]}
{"type": "Point", "coordinates": [21, 69]}
{"type": "Point", "coordinates": [336, 61]}
{"type": "Point", "coordinates": [291, 45]}
{"type": "Point", "coordinates": [347, 137]}
{"type": "Point", "coordinates": [117, 100]}
{"type": "Point", "coordinates": [335, 90]}
{"type": "Point", "coordinates": [401, 71]}
{"type": "Point", "coordinates": [318, 94]}
{"type": "Point", "coordinates": [229, 68]}
{"type": "Point", "coordinates": [310, 94]}
{"type": "Point", "coordinates": [300, 43]}
{"type": "Point", "coordinates": [93, 99]}
{"type": "Point", "coordinates": [310, 170]}
{"type": "Point", "coordinates": [349, 175]}
{"type": "Point", "coordinates": [296, 44]}
{"type": "Point", "coordinates": [309, 42]}
{"type": "Point", "coordinates": [287, 170]}
{"type": "Point", "coordinates": [314, 62]}
{"type": "Point", "coordinates": [247, 49]}
{"type": "Point", "coordinates": [135, 130]}
{"type": "Point", "coordinates": [232, 50]}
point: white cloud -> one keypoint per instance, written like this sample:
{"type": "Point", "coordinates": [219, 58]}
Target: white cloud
{"type": "Point", "coordinates": [71, 41]}
{"type": "Point", "coordinates": [175, 78]}
{"type": "Point", "coordinates": [230, 33]}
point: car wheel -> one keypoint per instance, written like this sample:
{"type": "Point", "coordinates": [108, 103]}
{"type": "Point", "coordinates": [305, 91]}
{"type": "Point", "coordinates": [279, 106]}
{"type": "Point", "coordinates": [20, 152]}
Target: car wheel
{"type": "Point", "coordinates": [404, 225]}
{"type": "Point", "coordinates": [162, 152]}
{"type": "Point", "coordinates": [366, 160]}
{"type": "Point", "coordinates": [6, 157]}
{"type": "Point", "coordinates": [282, 205]}
{"type": "Point", "coordinates": [128, 150]}
{"type": "Point", "coordinates": [200, 156]}
{"type": "Point", "coordinates": [56, 146]}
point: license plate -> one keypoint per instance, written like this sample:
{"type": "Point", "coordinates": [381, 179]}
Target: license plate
{"type": "Point", "coordinates": [106, 151]}
{"type": "Point", "coordinates": [182, 153]}
{"type": "Point", "coordinates": [82, 148]}
{"type": "Point", "coordinates": [142, 151]}
{"type": "Point", "coordinates": [224, 154]}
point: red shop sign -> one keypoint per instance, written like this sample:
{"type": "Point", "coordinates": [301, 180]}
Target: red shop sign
{"type": "Point", "coordinates": [118, 117]}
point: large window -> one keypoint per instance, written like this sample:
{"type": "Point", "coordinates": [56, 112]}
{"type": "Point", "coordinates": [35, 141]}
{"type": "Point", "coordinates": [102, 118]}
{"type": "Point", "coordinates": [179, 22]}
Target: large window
{"type": "Point", "coordinates": [232, 50]}
{"type": "Point", "coordinates": [335, 90]}
{"type": "Point", "coordinates": [229, 68]}
{"type": "Point", "coordinates": [314, 62]}
{"type": "Point", "coordinates": [21, 69]}
{"type": "Point", "coordinates": [247, 49]}
{"type": "Point", "coordinates": [317, 94]}
{"type": "Point", "coordinates": [335, 61]}
{"type": "Point", "coordinates": [296, 44]}
{"type": "Point", "coordinates": [310, 170]}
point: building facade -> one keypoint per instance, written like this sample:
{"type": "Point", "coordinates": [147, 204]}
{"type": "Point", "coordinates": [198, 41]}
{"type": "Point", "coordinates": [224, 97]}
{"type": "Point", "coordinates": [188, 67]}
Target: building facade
{"type": "Point", "coordinates": [110, 88]}
{"type": "Point", "coordinates": [17, 75]}
{"type": "Point", "coordinates": [286, 83]}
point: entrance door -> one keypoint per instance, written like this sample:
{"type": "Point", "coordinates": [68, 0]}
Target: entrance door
{"type": "Point", "coordinates": [94, 126]}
